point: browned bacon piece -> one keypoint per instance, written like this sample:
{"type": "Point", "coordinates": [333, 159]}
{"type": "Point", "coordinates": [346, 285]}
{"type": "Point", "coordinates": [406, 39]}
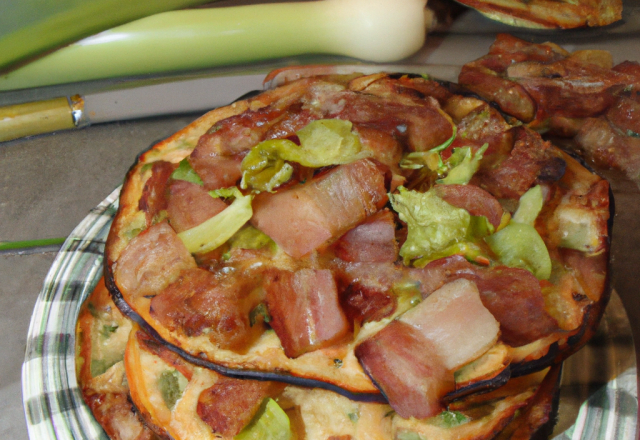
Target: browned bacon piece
{"type": "Point", "coordinates": [237, 134]}
{"type": "Point", "coordinates": [153, 198]}
{"type": "Point", "coordinates": [472, 198]}
{"type": "Point", "coordinates": [151, 261]}
{"type": "Point", "coordinates": [435, 274]}
{"type": "Point", "coordinates": [374, 240]}
{"type": "Point", "coordinates": [113, 410]}
{"type": "Point", "coordinates": [545, 85]}
{"type": "Point", "coordinates": [529, 160]}
{"type": "Point", "coordinates": [511, 97]}
{"type": "Point", "coordinates": [363, 303]}
{"type": "Point", "coordinates": [215, 170]}
{"type": "Point", "coordinates": [321, 210]}
{"type": "Point", "coordinates": [366, 289]}
{"type": "Point", "coordinates": [625, 114]}
{"type": "Point", "coordinates": [405, 366]}
{"type": "Point", "coordinates": [569, 88]}
{"type": "Point", "coordinates": [609, 148]}
{"type": "Point", "coordinates": [384, 147]}
{"type": "Point", "coordinates": [189, 204]}
{"type": "Point", "coordinates": [297, 118]}
{"type": "Point", "coordinates": [631, 68]}
{"type": "Point", "coordinates": [420, 127]}
{"type": "Point", "coordinates": [304, 309]}
{"type": "Point", "coordinates": [456, 321]}
{"type": "Point", "coordinates": [197, 303]}
{"type": "Point", "coordinates": [230, 404]}
{"type": "Point", "coordinates": [513, 296]}
{"type": "Point", "coordinates": [479, 123]}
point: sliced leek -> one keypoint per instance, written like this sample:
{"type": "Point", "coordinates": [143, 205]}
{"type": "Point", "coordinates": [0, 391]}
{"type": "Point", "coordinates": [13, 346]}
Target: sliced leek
{"type": "Point", "coordinates": [218, 229]}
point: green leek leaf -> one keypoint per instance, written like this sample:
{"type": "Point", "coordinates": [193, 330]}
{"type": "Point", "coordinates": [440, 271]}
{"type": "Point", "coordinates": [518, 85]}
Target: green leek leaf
{"type": "Point", "coordinates": [171, 384]}
{"type": "Point", "coordinates": [520, 245]}
{"type": "Point", "coordinates": [212, 233]}
{"type": "Point", "coordinates": [186, 172]}
{"type": "Point", "coordinates": [449, 419]}
{"type": "Point", "coordinates": [464, 165]}
{"type": "Point", "coordinates": [251, 238]}
{"type": "Point", "coordinates": [270, 423]}
{"type": "Point", "coordinates": [322, 143]}
{"type": "Point", "coordinates": [529, 207]}
{"type": "Point", "coordinates": [433, 224]}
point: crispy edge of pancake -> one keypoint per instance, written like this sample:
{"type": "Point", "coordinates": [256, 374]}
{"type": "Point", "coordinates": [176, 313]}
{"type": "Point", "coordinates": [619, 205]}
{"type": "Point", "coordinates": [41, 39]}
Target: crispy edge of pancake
{"type": "Point", "coordinates": [319, 414]}
{"type": "Point", "coordinates": [106, 394]}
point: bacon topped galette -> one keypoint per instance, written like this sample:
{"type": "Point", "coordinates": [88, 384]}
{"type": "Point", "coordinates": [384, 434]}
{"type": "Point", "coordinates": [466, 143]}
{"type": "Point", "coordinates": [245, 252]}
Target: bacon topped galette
{"type": "Point", "coordinates": [376, 236]}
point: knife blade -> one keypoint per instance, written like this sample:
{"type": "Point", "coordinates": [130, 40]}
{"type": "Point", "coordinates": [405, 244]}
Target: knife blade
{"type": "Point", "coordinates": [176, 97]}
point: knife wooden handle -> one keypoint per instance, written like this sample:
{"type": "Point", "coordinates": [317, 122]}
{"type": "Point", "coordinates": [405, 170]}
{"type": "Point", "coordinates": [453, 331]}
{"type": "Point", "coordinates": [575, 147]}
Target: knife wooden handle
{"type": "Point", "coordinates": [38, 117]}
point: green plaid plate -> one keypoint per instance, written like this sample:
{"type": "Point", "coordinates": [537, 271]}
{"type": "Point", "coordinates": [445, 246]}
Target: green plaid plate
{"type": "Point", "coordinates": [53, 402]}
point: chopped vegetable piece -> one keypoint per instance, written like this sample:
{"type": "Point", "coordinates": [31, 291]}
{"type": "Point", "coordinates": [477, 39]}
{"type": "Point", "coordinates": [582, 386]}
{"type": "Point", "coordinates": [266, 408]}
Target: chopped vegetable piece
{"type": "Point", "coordinates": [322, 143]}
{"type": "Point", "coordinates": [529, 207]}
{"type": "Point", "coordinates": [186, 172]}
{"type": "Point", "coordinates": [225, 193]}
{"type": "Point", "coordinates": [470, 251]}
{"type": "Point", "coordinates": [449, 419]}
{"type": "Point", "coordinates": [462, 165]}
{"type": "Point", "coordinates": [433, 224]}
{"type": "Point", "coordinates": [431, 158]}
{"type": "Point", "coordinates": [264, 168]}
{"type": "Point", "coordinates": [214, 232]}
{"type": "Point", "coordinates": [107, 330]}
{"type": "Point", "coordinates": [271, 423]}
{"type": "Point", "coordinates": [326, 142]}
{"type": "Point", "coordinates": [100, 366]}
{"type": "Point", "coordinates": [520, 245]}
{"type": "Point", "coordinates": [171, 384]}
{"type": "Point", "coordinates": [259, 313]}
{"type": "Point", "coordinates": [250, 238]}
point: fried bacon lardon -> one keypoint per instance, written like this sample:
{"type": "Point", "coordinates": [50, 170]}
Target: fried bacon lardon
{"type": "Point", "coordinates": [373, 216]}
{"type": "Point", "coordinates": [579, 95]}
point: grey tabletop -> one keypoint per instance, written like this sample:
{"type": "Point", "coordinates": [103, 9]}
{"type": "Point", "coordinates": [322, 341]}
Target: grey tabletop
{"type": "Point", "coordinates": [49, 183]}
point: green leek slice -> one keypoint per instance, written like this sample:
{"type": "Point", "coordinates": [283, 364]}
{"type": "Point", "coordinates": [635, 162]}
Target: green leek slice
{"type": "Point", "coordinates": [520, 245]}
{"type": "Point", "coordinates": [271, 423]}
{"type": "Point", "coordinates": [212, 233]}
{"type": "Point", "coordinates": [433, 224]}
{"type": "Point", "coordinates": [322, 143]}
{"type": "Point", "coordinates": [529, 207]}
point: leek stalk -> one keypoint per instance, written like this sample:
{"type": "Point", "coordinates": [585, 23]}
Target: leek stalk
{"type": "Point", "coordinates": [30, 27]}
{"type": "Point", "coordinates": [374, 30]}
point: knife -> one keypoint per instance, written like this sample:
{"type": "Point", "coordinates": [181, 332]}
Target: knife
{"type": "Point", "coordinates": [186, 96]}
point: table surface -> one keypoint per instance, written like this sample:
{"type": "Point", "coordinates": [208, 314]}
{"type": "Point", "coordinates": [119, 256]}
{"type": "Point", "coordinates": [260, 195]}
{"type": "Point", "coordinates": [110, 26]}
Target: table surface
{"type": "Point", "coordinates": [50, 182]}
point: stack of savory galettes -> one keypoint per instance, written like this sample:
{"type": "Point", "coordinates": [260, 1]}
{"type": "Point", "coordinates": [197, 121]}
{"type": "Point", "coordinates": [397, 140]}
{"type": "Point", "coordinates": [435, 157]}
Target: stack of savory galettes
{"type": "Point", "coordinates": [349, 257]}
